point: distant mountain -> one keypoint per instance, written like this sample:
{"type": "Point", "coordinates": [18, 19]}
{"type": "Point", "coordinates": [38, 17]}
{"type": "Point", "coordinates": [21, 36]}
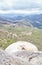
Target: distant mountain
{"type": "Point", "coordinates": [34, 20]}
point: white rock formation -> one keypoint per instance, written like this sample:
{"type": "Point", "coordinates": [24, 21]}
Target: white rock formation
{"type": "Point", "coordinates": [21, 58]}
{"type": "Point", "coordinates": [20, 45]}
{"type": "Point", "coordinates": [34, 58]}
{"type": "Point", "coordinates": [6, 59]}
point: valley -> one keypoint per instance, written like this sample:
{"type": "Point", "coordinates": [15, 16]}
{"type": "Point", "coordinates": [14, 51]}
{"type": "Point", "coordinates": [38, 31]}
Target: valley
{"type": "Point", "coordinates": [21, 29]}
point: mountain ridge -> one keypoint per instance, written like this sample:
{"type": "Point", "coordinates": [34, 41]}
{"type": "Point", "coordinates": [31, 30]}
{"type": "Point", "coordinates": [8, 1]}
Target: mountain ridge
{"type": "Point", "coordinates": [34, 20]}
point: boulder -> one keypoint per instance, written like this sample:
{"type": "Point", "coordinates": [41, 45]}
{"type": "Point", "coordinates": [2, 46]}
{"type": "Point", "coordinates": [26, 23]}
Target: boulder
{"type": "Point", "coordinates": [20, 45]}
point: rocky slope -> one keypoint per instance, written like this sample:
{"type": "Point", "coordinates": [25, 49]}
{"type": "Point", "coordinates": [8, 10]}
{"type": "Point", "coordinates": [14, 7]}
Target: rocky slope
{"type": "Point", "coordinates": [21, 58]}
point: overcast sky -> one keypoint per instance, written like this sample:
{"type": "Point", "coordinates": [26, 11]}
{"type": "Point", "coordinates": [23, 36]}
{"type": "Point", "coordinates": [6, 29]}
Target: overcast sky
{"type": "Point", "coordinates": [20, 5]}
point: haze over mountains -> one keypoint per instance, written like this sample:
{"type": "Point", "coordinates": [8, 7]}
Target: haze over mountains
{"type": "Point", "coordinates": [33, 19]}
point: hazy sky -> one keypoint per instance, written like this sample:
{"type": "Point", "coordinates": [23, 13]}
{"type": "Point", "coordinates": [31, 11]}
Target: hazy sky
{"type": "Point", "coordinates": [20, 6]}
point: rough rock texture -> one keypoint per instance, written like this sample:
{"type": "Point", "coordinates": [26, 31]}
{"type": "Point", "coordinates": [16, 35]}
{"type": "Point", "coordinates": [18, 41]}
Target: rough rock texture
{"type": "Point", "coordinates": [35, 58]}
{"type": "Point", "coordinates": [5, 59]}
{"type": "Point", "coordinates": [20, 45]}
{"type": "Point", "coordinates": [21, 58]}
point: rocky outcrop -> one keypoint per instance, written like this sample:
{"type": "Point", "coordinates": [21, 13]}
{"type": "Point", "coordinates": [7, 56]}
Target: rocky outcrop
{"type": "Point", "coordinates": [5, 59]}
{"type": "Point", "coordinates": [35, 58]}
{"type": "Point", "coordinates": [21, 58]}
{"type": "Point", "coordinates": [20, 45]}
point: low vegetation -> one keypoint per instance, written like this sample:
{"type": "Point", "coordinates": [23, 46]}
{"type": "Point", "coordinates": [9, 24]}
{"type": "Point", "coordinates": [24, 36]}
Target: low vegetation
{"type": "Point", "coordinates": [10, 34]}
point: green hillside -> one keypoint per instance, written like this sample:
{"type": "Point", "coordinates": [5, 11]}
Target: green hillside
{"type": "Point", "coordinates": [10, 34]}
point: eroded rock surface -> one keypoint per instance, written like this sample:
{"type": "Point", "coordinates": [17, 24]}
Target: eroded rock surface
{"type": "Point", "coordinates": [35, 58]}
{"type": "Point", "coordinates": [21, 58]}
{"type": "Point", "coordinates": [5, 59]}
